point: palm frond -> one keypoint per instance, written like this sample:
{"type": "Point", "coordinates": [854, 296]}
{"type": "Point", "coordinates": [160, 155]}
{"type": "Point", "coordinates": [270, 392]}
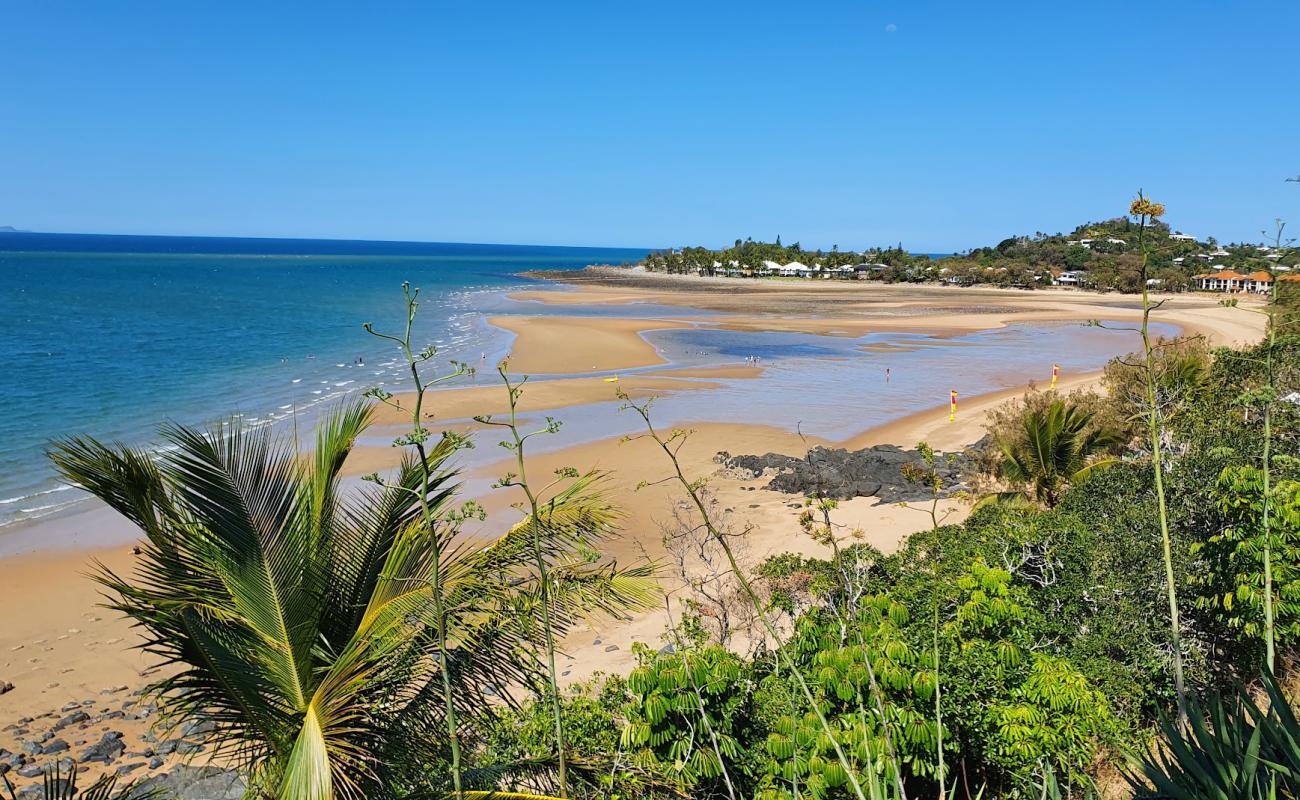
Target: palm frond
{"type": "Point", "coordinates": [302, 621]}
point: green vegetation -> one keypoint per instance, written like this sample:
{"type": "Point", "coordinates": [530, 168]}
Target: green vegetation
{"type": "Point", "coordinates": [1107, 253]}
{"type": "Point", "coordinates": [1051, 621]}
{"type": "Point", "coordinates": [1057, 445]}
{"type": "Point", "coordinates": [1231, 749]}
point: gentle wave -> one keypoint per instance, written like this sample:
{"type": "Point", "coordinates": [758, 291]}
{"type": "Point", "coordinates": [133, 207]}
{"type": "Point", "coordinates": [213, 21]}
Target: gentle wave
{"type": "Point", "coordinates": [20, 498]}
{"type": "Point", "coordinates": [456, 327]}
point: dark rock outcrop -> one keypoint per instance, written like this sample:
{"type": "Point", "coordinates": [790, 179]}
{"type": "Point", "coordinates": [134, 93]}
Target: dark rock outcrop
{"type": "Point", "coordinates": [844, 474]}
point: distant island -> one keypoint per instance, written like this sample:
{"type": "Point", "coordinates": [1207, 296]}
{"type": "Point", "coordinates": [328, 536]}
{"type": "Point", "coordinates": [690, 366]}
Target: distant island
{"type": "Point", "coordinates": [10, 229]}
{"type": "Point", "coordinates": [1097, 255]}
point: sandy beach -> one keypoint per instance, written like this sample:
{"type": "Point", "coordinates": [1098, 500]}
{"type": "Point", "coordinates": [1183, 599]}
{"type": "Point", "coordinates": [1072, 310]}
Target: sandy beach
{"type": "Point", "coordinates": [58, 648]}
{"type": "Point", "coordinates": [852, 308]}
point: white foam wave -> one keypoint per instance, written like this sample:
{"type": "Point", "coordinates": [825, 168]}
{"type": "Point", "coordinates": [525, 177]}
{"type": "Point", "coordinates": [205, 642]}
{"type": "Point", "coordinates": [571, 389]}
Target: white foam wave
{"type": "Point", "coordinates": [20, 498]}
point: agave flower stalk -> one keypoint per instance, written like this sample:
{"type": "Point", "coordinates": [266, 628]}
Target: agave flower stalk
{"type": "Point", "coordinates": [670, 447]}
{"type": "Point", "coordinates": [1270, 628]}
{"type": "Point", "coordinates": [536, 520]}
{"type": "Point", "coordinates": [417, 437]}
{"type": "Point", "coordinates": [1148, 211]}
{"type": "Point", "coordinates": [1269, 394]}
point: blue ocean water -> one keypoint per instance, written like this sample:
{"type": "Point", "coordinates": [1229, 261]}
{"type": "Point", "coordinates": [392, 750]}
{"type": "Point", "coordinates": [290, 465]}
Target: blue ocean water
{"type": "Point", "coordinates": [109, 335]}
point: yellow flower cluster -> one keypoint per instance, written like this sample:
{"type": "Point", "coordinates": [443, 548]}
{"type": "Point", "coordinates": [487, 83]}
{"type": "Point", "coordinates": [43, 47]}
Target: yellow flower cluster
{"type": "Point", "coordinates": [1145, 207]}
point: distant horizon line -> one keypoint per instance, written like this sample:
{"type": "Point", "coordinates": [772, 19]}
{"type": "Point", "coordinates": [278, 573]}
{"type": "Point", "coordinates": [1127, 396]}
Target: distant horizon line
{"type": "Point", "coordinates": [10, 230]}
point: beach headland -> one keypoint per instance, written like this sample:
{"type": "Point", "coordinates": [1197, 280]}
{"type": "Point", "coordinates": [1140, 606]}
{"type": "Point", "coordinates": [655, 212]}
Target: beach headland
{"type": "Point", "coordinates": [58, 648]}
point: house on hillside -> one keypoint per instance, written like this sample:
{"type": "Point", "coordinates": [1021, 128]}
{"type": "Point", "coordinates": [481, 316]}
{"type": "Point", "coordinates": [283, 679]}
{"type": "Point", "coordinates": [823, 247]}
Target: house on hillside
{"type": "Point", "coordinates": [1224, 280]}
{"type": "Point", "coordinates": [1070, 277]}
{"type": "Point", "coordinates": [1182, 237]}
{"type": "Point", "coordinates": [1228, 280]}
{"type": "Point", "coordinates": [1259, 282]}
{"type": "Point", "coordinates": [868, 270]}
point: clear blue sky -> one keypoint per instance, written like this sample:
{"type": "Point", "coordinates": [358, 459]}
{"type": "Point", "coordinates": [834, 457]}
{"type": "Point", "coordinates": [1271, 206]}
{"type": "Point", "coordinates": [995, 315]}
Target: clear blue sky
{"type": "Point", "coordinates": [940, 125]}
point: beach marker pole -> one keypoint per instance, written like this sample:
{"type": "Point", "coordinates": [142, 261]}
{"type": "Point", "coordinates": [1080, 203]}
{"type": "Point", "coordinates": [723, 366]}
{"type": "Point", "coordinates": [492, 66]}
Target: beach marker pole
{"type": "Point", "coordinates": [1056, 372]}
{"type": "Point", "coordinates": [952, 405]}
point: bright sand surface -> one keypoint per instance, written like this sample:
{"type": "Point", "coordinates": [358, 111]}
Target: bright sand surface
{"type": "Point", "coordinates": [57, 647]}
{"type": "Point", "coordinates": [854, 308]}
{"type": "Point", "coordinates": [548, 345]}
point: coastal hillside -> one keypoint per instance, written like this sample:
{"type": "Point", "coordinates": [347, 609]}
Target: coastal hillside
{"type": "Point", "coordinates": [1097, 255]}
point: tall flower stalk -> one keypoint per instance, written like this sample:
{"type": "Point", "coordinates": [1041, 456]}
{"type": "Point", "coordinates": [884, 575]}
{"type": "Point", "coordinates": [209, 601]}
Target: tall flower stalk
{"type": "Point", "coordinates": [1147, 212]}
{"type": "Point", "coordinates": [671, 445]}
{"type": "Point", "coordinates": [1267, 397]}
{"type": "Point", "coordinates": [536, 521]}
{"type": "Point", "coordinates": [1270, 394]}
{"type": "Point", "coordinates": [418, 436]}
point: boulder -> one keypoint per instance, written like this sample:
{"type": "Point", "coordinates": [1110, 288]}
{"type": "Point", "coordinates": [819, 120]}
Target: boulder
{"type": "Point", "coordinates": [197, 783]}
{"type": "Point", "coordinates": [106, 750]}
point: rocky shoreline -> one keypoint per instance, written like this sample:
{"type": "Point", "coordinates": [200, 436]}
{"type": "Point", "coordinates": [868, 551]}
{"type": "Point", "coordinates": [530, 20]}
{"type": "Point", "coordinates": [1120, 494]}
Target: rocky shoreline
{"type": "Point", "coordinates": [87, 736]}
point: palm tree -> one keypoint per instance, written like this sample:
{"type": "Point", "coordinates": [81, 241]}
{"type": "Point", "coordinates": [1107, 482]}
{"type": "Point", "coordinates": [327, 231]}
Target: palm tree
{"type": "Point", "coordinates": [1060, 446]}
{"type": "Point", "coordinates": [301, 618]}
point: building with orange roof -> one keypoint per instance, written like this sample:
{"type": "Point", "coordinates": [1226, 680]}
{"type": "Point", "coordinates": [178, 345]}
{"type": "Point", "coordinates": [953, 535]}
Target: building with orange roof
{"type": "Point", "coordinates": [1227, 280]}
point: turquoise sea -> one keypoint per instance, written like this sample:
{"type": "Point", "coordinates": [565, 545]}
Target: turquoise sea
{"type": "Point", "coordinates": [109, 335]}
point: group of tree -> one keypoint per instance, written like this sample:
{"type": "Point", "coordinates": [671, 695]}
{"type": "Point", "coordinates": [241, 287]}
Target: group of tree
{"type": "Point", "coordinates": [749, 256]}
{"type": "Point", "coordinates": [1106, 252]}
